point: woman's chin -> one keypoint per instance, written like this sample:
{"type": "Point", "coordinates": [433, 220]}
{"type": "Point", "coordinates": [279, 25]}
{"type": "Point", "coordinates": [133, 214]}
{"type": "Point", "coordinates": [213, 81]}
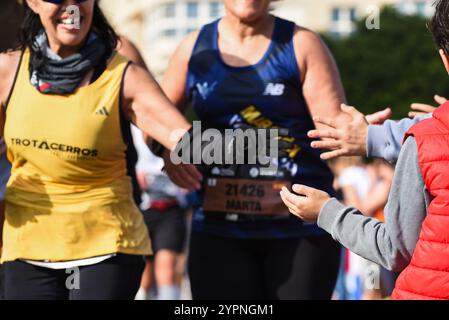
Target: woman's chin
{"type": "Point", "coordinates": [249, 17]}
{"type": "Point", "coordinates": [71, 37]}
{"type": "Point", "coordinates": [249, 14]}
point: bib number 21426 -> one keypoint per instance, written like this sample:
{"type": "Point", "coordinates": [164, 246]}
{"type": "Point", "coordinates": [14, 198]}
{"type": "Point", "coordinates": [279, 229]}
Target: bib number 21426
{"type": "Point", "coordinates": [245, 196]}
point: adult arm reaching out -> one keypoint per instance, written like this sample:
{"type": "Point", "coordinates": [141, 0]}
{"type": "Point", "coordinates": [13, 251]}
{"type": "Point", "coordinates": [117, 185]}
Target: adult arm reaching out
{"type": "Point", "coordinates": [358, 137]}
{"type": "Point", "coordinates": [150, 110]}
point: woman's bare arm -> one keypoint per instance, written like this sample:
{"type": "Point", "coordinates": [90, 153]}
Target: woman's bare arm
{"type": "Point", "coordinates": [148, 108]}
{"type": "Point", "coordinates": [155, 114]}
{"type": "Point", "coordinates": [127, 49]}
{"type": "Point", "coordinates": [175, 77]}
{"type": "Point", "coordinates": [174, 86]}
{"type": "Point", "coordinates": [321, 83]}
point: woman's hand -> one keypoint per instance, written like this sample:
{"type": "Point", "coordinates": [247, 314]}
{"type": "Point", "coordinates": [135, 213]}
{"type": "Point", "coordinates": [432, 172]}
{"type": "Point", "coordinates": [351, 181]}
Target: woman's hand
{"type": "Point", "coordinates": [342, 138]}
{"type": "Point", "coordinates": [345, 138]}
{"type": "Point", "coordinates": [307, 205]}
{"type": "Point", "coordinates": [185, 176]}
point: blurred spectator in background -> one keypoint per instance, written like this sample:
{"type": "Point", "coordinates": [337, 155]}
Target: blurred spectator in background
{"type": "Point", "coordinates": [363, 186]}
{"type": "Point", "coordinates": [163, 206]}
{"type": "Point", "coordinates": [351, 178]}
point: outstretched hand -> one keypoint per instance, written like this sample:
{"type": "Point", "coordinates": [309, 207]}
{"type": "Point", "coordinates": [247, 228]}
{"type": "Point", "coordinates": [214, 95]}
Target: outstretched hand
{"type": "Point", "coordinates": [345, 138]}
{"type": "Point", "coordinates": [421, 109]}
{"type": "Point", "coordinates": [306, 204]}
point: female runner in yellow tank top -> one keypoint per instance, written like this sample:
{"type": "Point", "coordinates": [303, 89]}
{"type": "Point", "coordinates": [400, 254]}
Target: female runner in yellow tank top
{"type": "Point", "coordinates": [71, 227]}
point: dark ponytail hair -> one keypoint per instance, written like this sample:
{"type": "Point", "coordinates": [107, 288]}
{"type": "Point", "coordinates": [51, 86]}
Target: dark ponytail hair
{"type": "Point", "coordinates": [31, 26]}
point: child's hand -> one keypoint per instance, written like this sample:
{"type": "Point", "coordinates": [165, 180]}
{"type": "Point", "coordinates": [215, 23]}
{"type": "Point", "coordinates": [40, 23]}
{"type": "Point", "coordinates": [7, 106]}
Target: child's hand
{"type": "Point", "coordinates": [307, 205]}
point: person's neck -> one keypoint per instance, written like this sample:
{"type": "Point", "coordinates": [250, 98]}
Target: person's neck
{"type": "Point", "coordinates": [244, 29]}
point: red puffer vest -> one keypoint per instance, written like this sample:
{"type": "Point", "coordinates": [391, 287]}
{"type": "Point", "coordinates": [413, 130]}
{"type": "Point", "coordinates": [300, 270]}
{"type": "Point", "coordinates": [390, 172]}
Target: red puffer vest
{"type": "Point", "coordinates": [427, 275]}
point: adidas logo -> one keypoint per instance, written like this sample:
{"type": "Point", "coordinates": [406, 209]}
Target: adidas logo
{"type": "Point", "coordinates": [102, 112]}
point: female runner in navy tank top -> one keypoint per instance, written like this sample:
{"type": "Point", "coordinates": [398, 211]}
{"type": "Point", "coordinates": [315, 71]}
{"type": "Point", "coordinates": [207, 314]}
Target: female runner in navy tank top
{"type": "Point", "coordinates": [256, 69]}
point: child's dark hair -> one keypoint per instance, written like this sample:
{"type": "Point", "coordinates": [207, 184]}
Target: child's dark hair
{"type": "Point", "coordinates": [439, 25]}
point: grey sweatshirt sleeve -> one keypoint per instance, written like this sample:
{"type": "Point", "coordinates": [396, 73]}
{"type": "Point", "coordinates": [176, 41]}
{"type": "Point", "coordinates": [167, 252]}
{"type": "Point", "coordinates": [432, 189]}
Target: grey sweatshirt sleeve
{"type": "Point", "coordinates": [385, 141]}
{"type": "Point", "coordinates": [389, 244]}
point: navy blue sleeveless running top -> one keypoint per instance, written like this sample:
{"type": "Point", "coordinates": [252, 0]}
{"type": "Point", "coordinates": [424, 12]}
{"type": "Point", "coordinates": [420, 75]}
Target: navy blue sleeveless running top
{"type": "Point", "coordinates": [267, 94]}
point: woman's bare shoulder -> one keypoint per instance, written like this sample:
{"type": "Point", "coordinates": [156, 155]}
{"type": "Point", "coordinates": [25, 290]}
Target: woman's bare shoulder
{"type": "Point", "coordinates": [187, 45]}
{"type": "Point", "coordinates": [306, 37]}
{"type": "Point", "coordinates": [8, 64]}
{"type": "Point", "coordinates": [9, 60]}
{"type": "Point", "coordinates": [309, 45]}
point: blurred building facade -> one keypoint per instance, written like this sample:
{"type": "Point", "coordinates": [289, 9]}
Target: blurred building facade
{"type": "Point", "coordinates": [338, 16]}
{"type": "Point", "coordinates": [157, 26]}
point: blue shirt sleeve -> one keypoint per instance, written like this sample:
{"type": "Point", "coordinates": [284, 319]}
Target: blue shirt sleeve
{"type": "Point", "coordinates": [385, 141]}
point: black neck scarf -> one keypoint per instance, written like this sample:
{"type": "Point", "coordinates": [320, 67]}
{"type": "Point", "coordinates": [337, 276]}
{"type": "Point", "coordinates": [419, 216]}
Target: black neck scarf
{"type": "Point", "coordinates": [51, 74]}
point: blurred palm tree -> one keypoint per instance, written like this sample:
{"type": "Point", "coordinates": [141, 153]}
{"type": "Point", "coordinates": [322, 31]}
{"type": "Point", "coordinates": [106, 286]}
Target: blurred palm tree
{"type": "Point", "coordinates": [391, 67]}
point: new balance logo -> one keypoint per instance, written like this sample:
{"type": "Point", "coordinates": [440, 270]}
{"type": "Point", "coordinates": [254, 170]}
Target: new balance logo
{"type": "Point", "coordinates": [274, 89]}
{"type": "Point", "coordinates": [102, 112]}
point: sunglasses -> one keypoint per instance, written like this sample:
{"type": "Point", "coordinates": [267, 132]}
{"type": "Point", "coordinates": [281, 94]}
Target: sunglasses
{"type": "Point", "coordinates": [59, 2]}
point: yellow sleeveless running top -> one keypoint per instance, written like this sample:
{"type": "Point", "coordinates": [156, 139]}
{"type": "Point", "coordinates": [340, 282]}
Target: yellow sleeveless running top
{"type": "Point", "coordinates": [69, 196]}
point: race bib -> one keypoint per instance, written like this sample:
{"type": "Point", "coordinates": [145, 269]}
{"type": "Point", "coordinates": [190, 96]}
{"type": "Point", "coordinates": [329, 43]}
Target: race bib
{"type": "Point", "coordinates": [245, 196]}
